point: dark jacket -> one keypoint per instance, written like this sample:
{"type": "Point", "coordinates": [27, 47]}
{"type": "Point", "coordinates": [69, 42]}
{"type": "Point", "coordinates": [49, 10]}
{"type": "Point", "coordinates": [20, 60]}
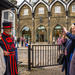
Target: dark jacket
{"type": "Point", "coordinates": [72, 65]}
{"type": "Point", "coordinates": [66, 64]}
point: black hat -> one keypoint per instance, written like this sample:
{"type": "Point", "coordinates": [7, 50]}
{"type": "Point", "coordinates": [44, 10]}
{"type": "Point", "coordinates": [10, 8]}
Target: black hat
{"type": "Point", "coordinates": [7, 25]}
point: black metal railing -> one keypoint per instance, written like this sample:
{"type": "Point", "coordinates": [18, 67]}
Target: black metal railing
{"type": "Point", "coordinates": [43, 55]}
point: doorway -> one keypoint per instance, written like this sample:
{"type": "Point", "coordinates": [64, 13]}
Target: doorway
{"type": "Point", "coordinates": [56, 31]}
{"type": "Point", "coordinates": [41, 35]}
{"type": "Point", "coordinates": [26, 33]}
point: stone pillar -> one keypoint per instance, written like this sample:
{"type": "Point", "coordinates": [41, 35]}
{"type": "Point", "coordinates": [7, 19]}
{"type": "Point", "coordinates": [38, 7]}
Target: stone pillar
{"type": "Point", "coordinates": [51, 36]}
{"type": "Point", "coordinates": [18, 29]}
{"type": "Point", "coordinates": [67, 20]}
{"type": "Point", "coordinates": [48, 27]}
{"type": "Point", "coordinates": [47, 35]}
{"type": "Point", "coordinates": [33, 29]}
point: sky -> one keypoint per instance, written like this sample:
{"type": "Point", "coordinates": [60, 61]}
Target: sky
{"type": "Point", "coordinates": [20, 1]}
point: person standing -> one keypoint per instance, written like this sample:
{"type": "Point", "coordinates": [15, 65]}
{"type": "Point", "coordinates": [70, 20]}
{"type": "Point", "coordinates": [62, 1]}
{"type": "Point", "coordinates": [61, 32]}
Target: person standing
{"type": "Point", "coordinates": [8, 46]}
{"type": "Point", "coordinates": [66, 47]}
{"type": "Point", "coordinates": [22, 41]}
{"type": "Point", "coordinates": [59, 43]}
{"type": "Point", "coordinates": [71, 51]}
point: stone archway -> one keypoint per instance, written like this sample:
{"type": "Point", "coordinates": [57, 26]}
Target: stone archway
{"type": "Point", "coordinates": [26, 33]}
{"type": "Point", "coordinates": [41, 34]}
{"type": "Point", "coordinates": [56, 31]}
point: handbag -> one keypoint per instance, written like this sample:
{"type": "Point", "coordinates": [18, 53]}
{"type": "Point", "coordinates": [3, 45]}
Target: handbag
{"type": "Point", "coordinates": [60, 59]}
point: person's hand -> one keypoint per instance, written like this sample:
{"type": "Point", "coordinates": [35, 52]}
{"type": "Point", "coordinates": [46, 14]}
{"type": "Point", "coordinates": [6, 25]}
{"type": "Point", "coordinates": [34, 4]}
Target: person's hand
{"type": "Point", "coordinates": [6, 53]}
{"type": "Point", "coordinates": [65, 30]}
{"type": "Point", "coordinates": [65, 52]}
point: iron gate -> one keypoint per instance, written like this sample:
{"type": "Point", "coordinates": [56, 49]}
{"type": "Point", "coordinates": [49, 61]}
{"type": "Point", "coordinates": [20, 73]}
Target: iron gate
{"type": "Point", "coordinates": [43, 55]}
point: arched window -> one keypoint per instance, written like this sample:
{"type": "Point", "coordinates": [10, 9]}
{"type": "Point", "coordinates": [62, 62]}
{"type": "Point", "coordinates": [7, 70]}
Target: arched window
{"type": "Point", "coordinates": [25, 28]}
{"type": "Point", "coordinates": [26, 33]}
{"type": "Point", "coordinates": [25, 12]}
{"type": "Point", "coordinates": [41, 10]}
{"type": "Point", "coordinates": [57, 30]}
{"type": "Point", "coordinates": [73, 8]}
{"type": "Point", "coordinates": [41, 28]}
{"type": "Point", "coordinates": [57, 9]}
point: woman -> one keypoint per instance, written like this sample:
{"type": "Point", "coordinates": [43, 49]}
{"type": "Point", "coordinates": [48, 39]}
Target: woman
{"type": "Point", "coordinates": [72, 50]}
{"type": "Point", "coordinates": [65, 45]}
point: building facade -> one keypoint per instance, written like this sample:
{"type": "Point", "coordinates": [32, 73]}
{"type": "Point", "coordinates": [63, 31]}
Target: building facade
{"type": "Point", "coordinates": [43, 21]}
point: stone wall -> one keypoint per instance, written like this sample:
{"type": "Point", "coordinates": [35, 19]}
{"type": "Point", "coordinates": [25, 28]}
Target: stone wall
{"type": "Point", "coordinates": [46, 20]}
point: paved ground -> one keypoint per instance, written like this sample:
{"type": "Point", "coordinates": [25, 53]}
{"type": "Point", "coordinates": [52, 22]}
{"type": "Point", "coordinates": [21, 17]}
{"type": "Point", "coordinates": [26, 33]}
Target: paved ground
{"type": "Point", "coordinates": [22, 57]}
{"type": "Point", "coordinates": [43, 71]}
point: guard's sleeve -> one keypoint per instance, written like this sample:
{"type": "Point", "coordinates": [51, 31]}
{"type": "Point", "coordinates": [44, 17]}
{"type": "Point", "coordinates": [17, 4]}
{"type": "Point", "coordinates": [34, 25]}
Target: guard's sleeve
{"type": "Point", "coordinates": [2, 45]}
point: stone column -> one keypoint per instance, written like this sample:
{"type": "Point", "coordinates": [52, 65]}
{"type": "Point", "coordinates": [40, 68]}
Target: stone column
{"type": "Point", "coordinates": [48, 27]}
{"type": "Point", "coordinates": [47, 34]}
{"type": "Point", "coordinates": [51, 36]}
{"type": "Point", "coordinates": [67, 20]}
{"type": "Point", "coordinates": [33, 29]}
{"type": "Point", "coordinates": [18, 20]}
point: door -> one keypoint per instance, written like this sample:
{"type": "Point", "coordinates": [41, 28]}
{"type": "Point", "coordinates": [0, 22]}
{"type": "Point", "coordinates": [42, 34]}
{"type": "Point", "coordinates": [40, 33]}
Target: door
{"type": "Point", "coordinates": [42, 38]}
{"type": "Point", "coordinates": [8, 15]}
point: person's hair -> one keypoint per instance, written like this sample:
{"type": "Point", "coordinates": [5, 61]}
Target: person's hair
{"type": "Point", "coordinates": [71, 27]}
{"type": "Point", "coordinates": [71, 30]}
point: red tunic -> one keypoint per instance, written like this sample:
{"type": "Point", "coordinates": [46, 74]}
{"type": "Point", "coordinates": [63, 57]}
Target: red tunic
{"type": "Point", "coordinates": [7, 43]}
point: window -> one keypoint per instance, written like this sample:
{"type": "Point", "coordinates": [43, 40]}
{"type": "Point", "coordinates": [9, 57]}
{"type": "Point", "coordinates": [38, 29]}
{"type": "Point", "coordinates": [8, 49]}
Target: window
{"type": "Point", "coordinates": [57, 9]}
{"type": "Point", "coordinates": [41, 10]}
{"type": "Point", "coordinates": [6, 15]}
{"type": "Point", "coordinates": [73, 8]}
{"type": "Point", "coordinates": [25, 28]}
{"type": "Point", "coordinates": [25, 11]}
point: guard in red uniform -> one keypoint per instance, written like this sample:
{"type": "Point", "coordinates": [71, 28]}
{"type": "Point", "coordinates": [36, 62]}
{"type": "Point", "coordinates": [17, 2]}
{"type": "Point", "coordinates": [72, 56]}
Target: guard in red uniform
{"type": "Point", "coordinates": [7, 43]}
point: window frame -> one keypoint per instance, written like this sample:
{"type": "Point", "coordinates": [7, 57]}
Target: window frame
{"type": "Point", "coordinates": [73, 8]}
{"type": "Point", "coordinates": [57, 9]}
{"type": "Point", "coordinates": [41, 10]}
{"type": "Point", "coordinates": [26, 12]}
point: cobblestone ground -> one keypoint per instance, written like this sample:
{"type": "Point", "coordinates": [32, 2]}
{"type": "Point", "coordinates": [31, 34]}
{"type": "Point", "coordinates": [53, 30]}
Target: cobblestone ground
{"type": "Point", "coordinates": [55, 70]}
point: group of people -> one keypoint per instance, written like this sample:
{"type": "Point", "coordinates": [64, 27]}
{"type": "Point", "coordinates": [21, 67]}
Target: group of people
{"type": "Point", "coordinates": [68, 47]}
{"type": "Point", "coordinates": [24, 42]}
{"type": "Point", "coordinates": [8, 62]}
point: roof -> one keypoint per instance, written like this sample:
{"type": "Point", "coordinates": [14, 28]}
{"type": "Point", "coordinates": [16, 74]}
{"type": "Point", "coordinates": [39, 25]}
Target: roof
{"type": "Point", "coordinates": [5, 4]}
